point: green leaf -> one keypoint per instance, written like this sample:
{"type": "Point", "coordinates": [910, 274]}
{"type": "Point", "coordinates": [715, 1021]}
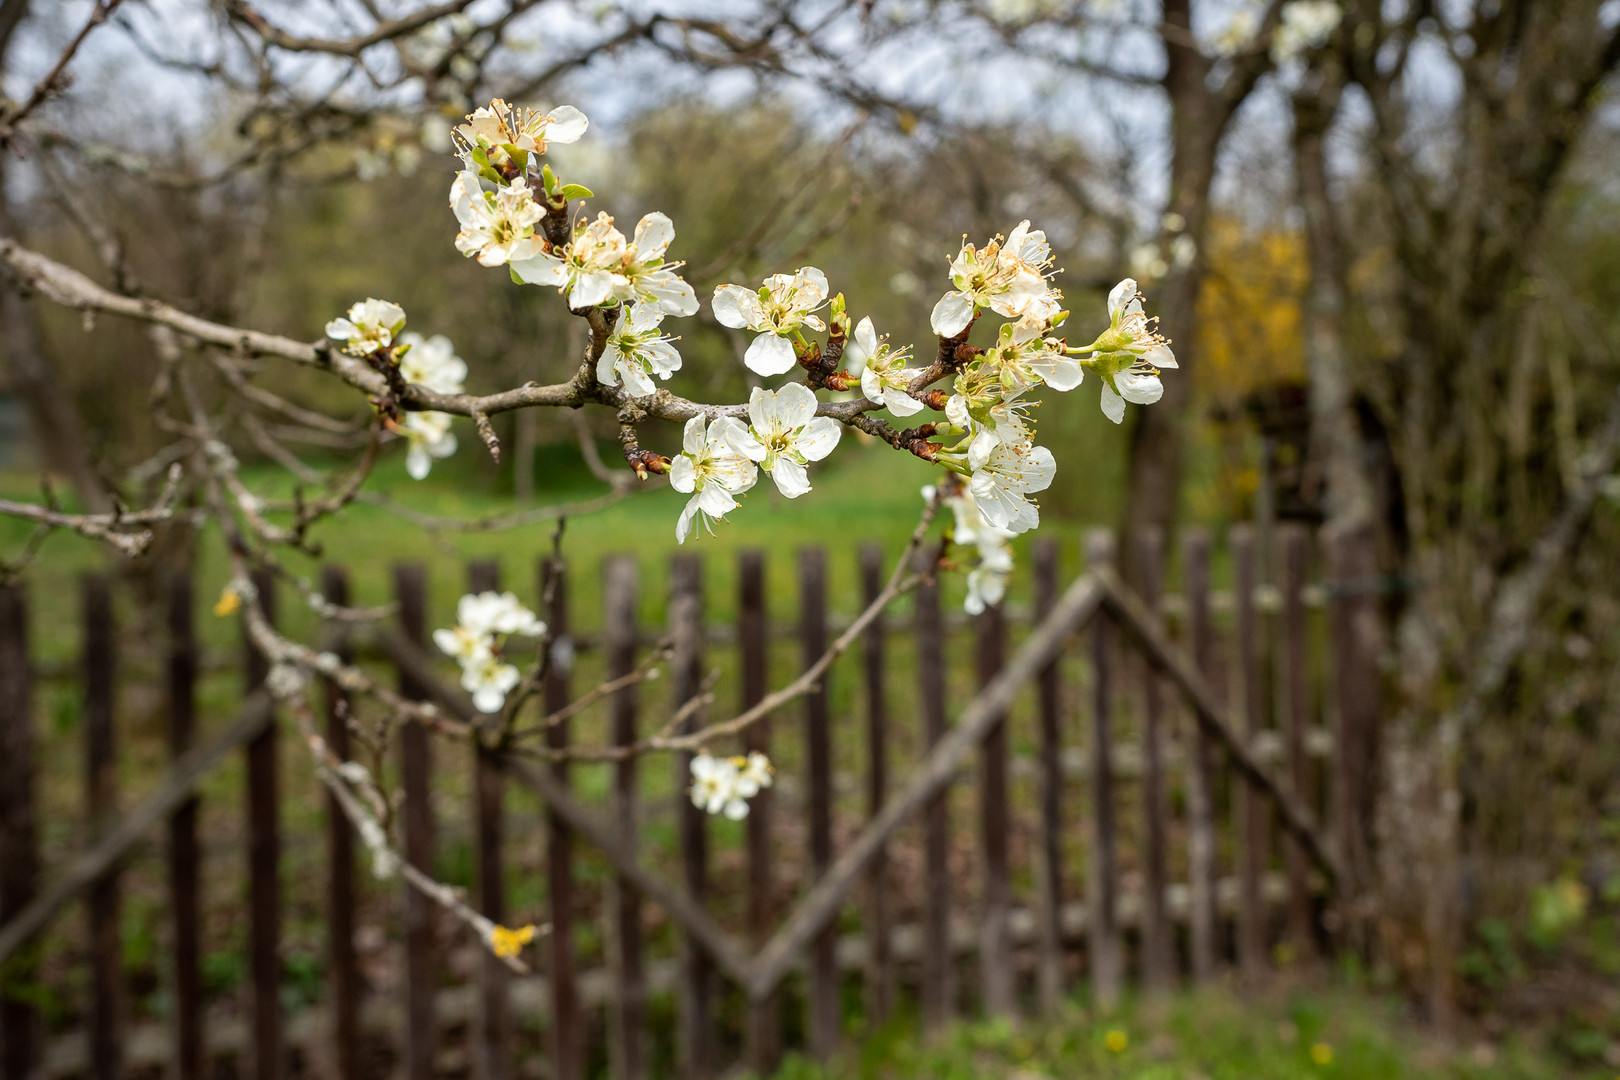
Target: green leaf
{"type": "Point", "coordinates": [549, 178]}
{"type": "Point", "coordinates": [576, 191]}
{"type": "Point", "coordinates": [515, 279]}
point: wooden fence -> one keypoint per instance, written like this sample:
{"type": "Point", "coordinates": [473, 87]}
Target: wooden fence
{"type": "Point", "coordinates": [1129, 820]}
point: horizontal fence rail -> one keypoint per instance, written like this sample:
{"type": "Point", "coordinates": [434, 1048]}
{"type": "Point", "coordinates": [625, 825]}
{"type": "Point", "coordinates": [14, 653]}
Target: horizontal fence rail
{"type": "Point", "coordinates": [1157, 765]}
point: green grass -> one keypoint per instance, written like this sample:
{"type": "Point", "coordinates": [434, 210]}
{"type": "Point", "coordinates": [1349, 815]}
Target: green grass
{"type": "Point", "coordinates": [1219, 1034]}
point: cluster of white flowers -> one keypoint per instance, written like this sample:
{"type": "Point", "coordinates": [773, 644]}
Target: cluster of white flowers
{"type": "Point", "coordinates": [500, 145]}
{"type": "Point", "coordinates": [483, 623]}
{"type": "Point", "coordinates": [987, 578]}
{"type": "Point", "coordinates": [509, 207]}
{"type": "Point", "coordinates": [433, 363]}
{"type": "Point", "coordinates": [720, 460]}
{"type": "Point", "coordinates": [724, 785]}
{"type": "Point", "coordinates": [371, 328]}
{"type": "Point", "coordinates": [1306, 24]}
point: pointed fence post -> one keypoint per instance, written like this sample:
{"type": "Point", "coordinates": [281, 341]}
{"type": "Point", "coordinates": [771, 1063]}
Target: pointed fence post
{"type": "Point", "coordinates": [1106, 959]}
{"type": "Point", "coordinates": [346, 987]}
{"type": "Point", "coordinates": [1158, 942]}
{"type": "Point", "coordinates": [567, 1020]}
{"type": "Point", "coordinates": [1049, 962]}
{"type": "Point", "coordinates": [695, 997]}
{"type": "Point", "coordinates": [1200, 637]}
{"type": "Point", "coordinates": [491, 1049]}
{"type": "Point", "coordinates": [416, 765]}
{"type": "Point", "coordinates": [19, 830]}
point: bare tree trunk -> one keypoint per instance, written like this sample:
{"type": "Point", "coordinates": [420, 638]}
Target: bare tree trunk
{"type": "Point", "coordinates": [1335, 441]}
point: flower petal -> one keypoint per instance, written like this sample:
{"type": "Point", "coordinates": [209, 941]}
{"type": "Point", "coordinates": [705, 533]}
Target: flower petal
{"type": "Point", "coordinates": [769, 355]}
{"type": "Point", "coordinates": [736, 307]}
{"type": "Point", "coordinates": [1113, 406]}
{"type": "Point", "coordinates": [952, 314]}
{"type": "Point", "coordinates": [653, 235]}
{"type": "Point", "coordinates": [791, 478]}
{"type": "Point", "coordinates": [819, 439]}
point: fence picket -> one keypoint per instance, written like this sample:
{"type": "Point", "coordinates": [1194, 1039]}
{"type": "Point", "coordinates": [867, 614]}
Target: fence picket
{"type": "Point", "coordinates": [19, 837]}
{"type": "Point", "coordinates": [1201, 870]}
{"type": "Point", "coordinates": [938, 967]}
{"type": "Point", "coordinates": [416, 764]}
{"type": "Point", "coordinates": [1105, 958]}
{"type": "Point", "coordinates": [264, 861]}
{"type": "Point", "coordinates": [879, 972]}
{"type": "Point", "coordinates": [567, 1021]}
{"type": "Point", "coordinates": [185, 908]}
{"type": "Point", "coordinates": [695, 999]}
{"type": "Point", "coordinates": [344, 976]}
{"type": "Point", "coordinates": [1158, 943]}
{"type": "Point", "coordinates": [491, 1054]}
{"type": "Point", "coordinates": [1049, 959]}
{"type": "Point", "coordinates": [627, 1017]}
{"type": "Point", "coordinates": [822, 989]}
{"type": "Point", "coordinates": [762, 1027]}
{"type": "Point", "coordinates": [1354, 641]}
{"type": "Point", "coordinates": [995, 935]}
{"type": "Point", "coordinates": [1251, 806]}
{"type": "Point", "coordinates": [1294, 699]}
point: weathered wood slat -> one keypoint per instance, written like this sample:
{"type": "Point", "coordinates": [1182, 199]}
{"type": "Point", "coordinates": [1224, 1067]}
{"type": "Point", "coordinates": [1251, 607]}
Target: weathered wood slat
{"type": "Point", "coordinates": [627, 1017]}
{"type": "Point", "coordinates": [264, 863]}
{"type": "Point", "coordinates": [1105, 957]}
{"type": "Point", "coordinates": [1199, 640]}
{"type": "Point", "coordinates": [567, 1021]}
{"type": "Point", "coordinates": [19, 830]}
{"type": "Point", "coordinates": [415, 781]}
{"type": "Point", "coordinates": [697, 1053]}
{"type": "Point", "coordinates": [491, 1049]}
{"type": "Point", "coordinates": [343, 976]}
{"type": "Point", "coordinates": [1158, 944]}
{"type": "Point", "coordinates": [879, 974]}
{"type": "Point", "coordinates": [1251, 808]}
{"type": "Point", "coordinates": [995, 948]}
{"type": "Point", "coordinates": [185, 902]}
{"type": "Point", "coordinates": [1293, 697]}
{"type": "Point", "coordinates": [939, 972]}
{"type": "Point", "coordinates": [1049, 865]}
{"type": "Point", "coordinates": [821, 992]}
{"type": "Point", "coordinates": [101, 800]}
{"type": "Point", "coordinates": [762, 1025]}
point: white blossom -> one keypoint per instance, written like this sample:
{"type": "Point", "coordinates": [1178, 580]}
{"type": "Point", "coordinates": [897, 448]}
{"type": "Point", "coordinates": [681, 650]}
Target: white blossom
{"type": "Point", "coordinates": [724, 785]}
{"type": "Point", "coordinates": [1129, 354]}
{"type": "Point", "coordinates": [714, 787]}
{"type": "Point", "coordinates": [429, 437]}
{"type": "Point", "coordinates": [712, 469]}
{"type": "Point", "coordinates": [785, 435]}
{"type": "Point", "coordinates": [500, 137]}
{"type": "Point", "coordinates": [753, 774]}
{"type": "Point", "coordinates": [1008, 276]}
{"type": "Point", "coordinates": [599, 266]}
{"type": "Point", "coordinates": [987, 581]}
{"type": "Point", "coordinates": [775, 313]}
{"type": "Point", "coordinates": [882, 370]}
{"type": "Point", "coordinates": [1305, 24]}
{"type": "Point", "coordinates": [497, 226]}
{"type": "Point", "coordinates": [1004, 477]}
{"type": "Point", "coordinates": [483, 621]}
{"type": "Point", "coordinates": [371, 327]}
{"type": "Point", "coordinates": [489, 681]}
{"type": "Point", "coordinates": [635, 352]}
{"type": "Point", "coordinates": [433, 363]}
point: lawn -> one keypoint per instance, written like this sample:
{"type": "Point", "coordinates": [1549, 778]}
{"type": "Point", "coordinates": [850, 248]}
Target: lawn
{"type": "Point", "coordinates": [1219, 1034]}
